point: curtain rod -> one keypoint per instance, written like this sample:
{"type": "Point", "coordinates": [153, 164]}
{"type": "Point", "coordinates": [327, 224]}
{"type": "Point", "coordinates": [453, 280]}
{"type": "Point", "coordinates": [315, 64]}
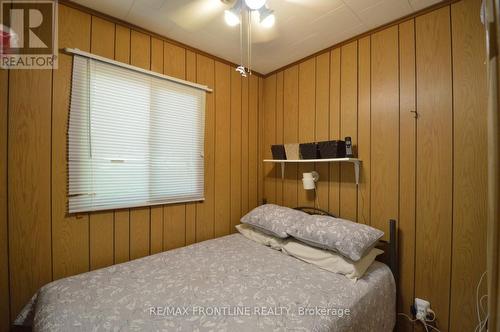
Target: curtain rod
{"type": "Point", "coordinates": [144, 71]}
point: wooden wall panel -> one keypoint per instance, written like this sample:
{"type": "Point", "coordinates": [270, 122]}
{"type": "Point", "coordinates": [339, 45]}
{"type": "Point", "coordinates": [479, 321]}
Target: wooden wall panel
{"type": "Point", "coordinates": [122, 217]}
{"type": "Point", "coordinates": [205, 210]}
{"type": "Point", "coordinates": [122, 236]}
{"type": "Point", "coordinates": [101, 223]}
{"type": "Point", "coordinates": [190, 69]}
{"type": "Point", "coordinates": [156, 229]}
{"type": "Point", "coordinates": [253, 130]}
{"type": "Point", "coordinates": [122, 44]}
{"type": "Point", "coordinates": [235, 147]}
{"type": "Point", "coordinates": [29, 186]}
{"type": "Point", "coordinates": [349, 126]}
{"type": "Point", "coordinates": [4, 253]}
{"type": "Point", "coordinates": [407, 160]}
{"type": "Point", "coordinates": [174, 60]}
{"type": "Point", "coordinates": [307, 119]}
{"type": "Point", "coordinates": [140, 50]}
{"type": "Point", "coordinates": [291, 132]}
{"type": "Point", "coordinates": [434, 161]}
{"type": "Point", "coordinates": [364, 129]}
{"type": "Point", "coordinates": [222, 149]}
{"type": "Point", "coordinates": [102, 38]}
{"type": "Point", "coordinates": [334, 186]}
{"type": "Point", "coordinates": [470, 143]}
{"type": "Point", "coordinates": [260, 153]}
{"type": "Point", "coordinates": [139, 232]}
{"type": "Point", "coordinates": [157, 58]}
{"type": "Point", "coordinates": [190, 223]}
{"type": "Point", "coordinates": [140, 222]}
{"type": "Point", "coordinates": [279, 133]}
{"type": "Point", "coordinates": [385, 128]}
{"type": "Point", "coordinates": [322, 125]}
{"type": "Point", "coordinates": [70, 235]}
{"type": "Point", "coordinates": [174, 226]}
{"type": "Point", "coordinates": [101, 239]}
{"type": "Point", "coordinates": [269, 137]}
{"type": "Point", "coordinates": [244, 146]}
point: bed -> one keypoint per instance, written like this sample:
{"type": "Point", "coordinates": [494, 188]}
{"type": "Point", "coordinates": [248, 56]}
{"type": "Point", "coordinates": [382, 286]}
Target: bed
{"type": "Point", "coordinates": [225, 284]}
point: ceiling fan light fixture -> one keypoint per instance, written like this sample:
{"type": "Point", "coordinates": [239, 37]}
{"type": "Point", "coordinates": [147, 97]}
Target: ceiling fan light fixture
{"type": "Point", "coordinates": [255, 4]}
{"type": "Point", "coordinates": [232, 17]}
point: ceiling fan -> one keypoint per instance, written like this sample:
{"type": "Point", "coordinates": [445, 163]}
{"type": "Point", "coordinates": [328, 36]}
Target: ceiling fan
{"type": "Point", "coordinates": [243, 13]}
{"type": "Point", "coordinates": [196, 14]}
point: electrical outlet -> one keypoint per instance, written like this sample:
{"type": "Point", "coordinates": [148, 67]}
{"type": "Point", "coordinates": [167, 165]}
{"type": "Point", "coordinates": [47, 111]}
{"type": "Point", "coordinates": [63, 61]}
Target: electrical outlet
{"type": "Point", "coordinates": [422, 308]}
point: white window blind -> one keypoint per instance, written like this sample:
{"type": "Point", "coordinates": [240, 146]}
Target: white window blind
{"type": "Point", "coordinates": [134, 139]}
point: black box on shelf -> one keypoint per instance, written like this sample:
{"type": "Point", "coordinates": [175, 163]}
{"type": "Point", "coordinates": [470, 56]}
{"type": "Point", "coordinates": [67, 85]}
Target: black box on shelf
{"type": "Point", "coordinates": [308, 151]}
{"type": "Point", "coordinates": [332, 149]}
{"type": "Point", "coordinates": [278, 152]}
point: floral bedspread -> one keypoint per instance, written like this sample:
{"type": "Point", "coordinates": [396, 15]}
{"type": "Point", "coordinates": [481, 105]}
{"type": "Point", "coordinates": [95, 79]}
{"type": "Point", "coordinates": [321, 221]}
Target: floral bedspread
{"type": "Point", "coordinates": [226, 284]}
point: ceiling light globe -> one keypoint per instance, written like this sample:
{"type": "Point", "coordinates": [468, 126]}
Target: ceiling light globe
{"type": "Point", "coordinates": [269, 21]}
{"type": "Point", "coordinates": [231, 18]}
{"type": "Point", "coordinates": [255, 4]}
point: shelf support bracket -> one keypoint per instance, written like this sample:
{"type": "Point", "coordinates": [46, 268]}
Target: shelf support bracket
{"type": "Point", "coordinates": [356, 171]}
{"type": "Point", "coordinates": [282, 170]}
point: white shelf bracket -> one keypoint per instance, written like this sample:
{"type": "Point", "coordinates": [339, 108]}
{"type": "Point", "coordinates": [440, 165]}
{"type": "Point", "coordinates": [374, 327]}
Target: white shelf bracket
{"type": "Point", "coordinates": [356, 171]}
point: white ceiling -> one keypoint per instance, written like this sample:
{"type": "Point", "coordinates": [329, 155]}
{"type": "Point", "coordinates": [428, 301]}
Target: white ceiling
{"type": "Point", "coordinates": [302, 27]}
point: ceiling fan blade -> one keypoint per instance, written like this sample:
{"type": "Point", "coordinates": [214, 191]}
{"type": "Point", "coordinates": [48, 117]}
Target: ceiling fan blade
{"type": "Point", "coordinates": [196, 14]}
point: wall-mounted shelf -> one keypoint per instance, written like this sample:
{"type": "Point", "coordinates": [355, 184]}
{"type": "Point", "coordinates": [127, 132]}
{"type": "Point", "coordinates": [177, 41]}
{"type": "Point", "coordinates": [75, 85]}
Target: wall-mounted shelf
{"type": "Point", "coordinates": [355, 161]}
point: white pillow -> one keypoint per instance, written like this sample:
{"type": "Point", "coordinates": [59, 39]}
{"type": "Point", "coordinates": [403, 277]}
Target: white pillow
{"type": "Point", "coordinates": [251, 233]}
{"type": "Point", "coordinates": [329, 260]}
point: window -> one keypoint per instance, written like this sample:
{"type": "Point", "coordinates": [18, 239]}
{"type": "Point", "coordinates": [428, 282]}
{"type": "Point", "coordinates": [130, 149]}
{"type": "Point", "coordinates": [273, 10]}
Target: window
{"type": "Point", "coordinates": [134, 139]}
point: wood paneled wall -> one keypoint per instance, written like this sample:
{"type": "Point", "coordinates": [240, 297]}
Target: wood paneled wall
{"type": "Point", "coordinates": [46, 244]}
{"type": "Point", "coordinates": [429, 173]}
{"type": "Point", "coordinates": [434, 159]}
{"type": "Point", "coordinates": [4, 253]}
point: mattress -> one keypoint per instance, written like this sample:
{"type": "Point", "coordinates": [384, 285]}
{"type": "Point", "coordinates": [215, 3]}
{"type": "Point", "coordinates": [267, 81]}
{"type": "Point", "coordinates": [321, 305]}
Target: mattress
{"type": "Point", "coordinates": [225, 284]}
